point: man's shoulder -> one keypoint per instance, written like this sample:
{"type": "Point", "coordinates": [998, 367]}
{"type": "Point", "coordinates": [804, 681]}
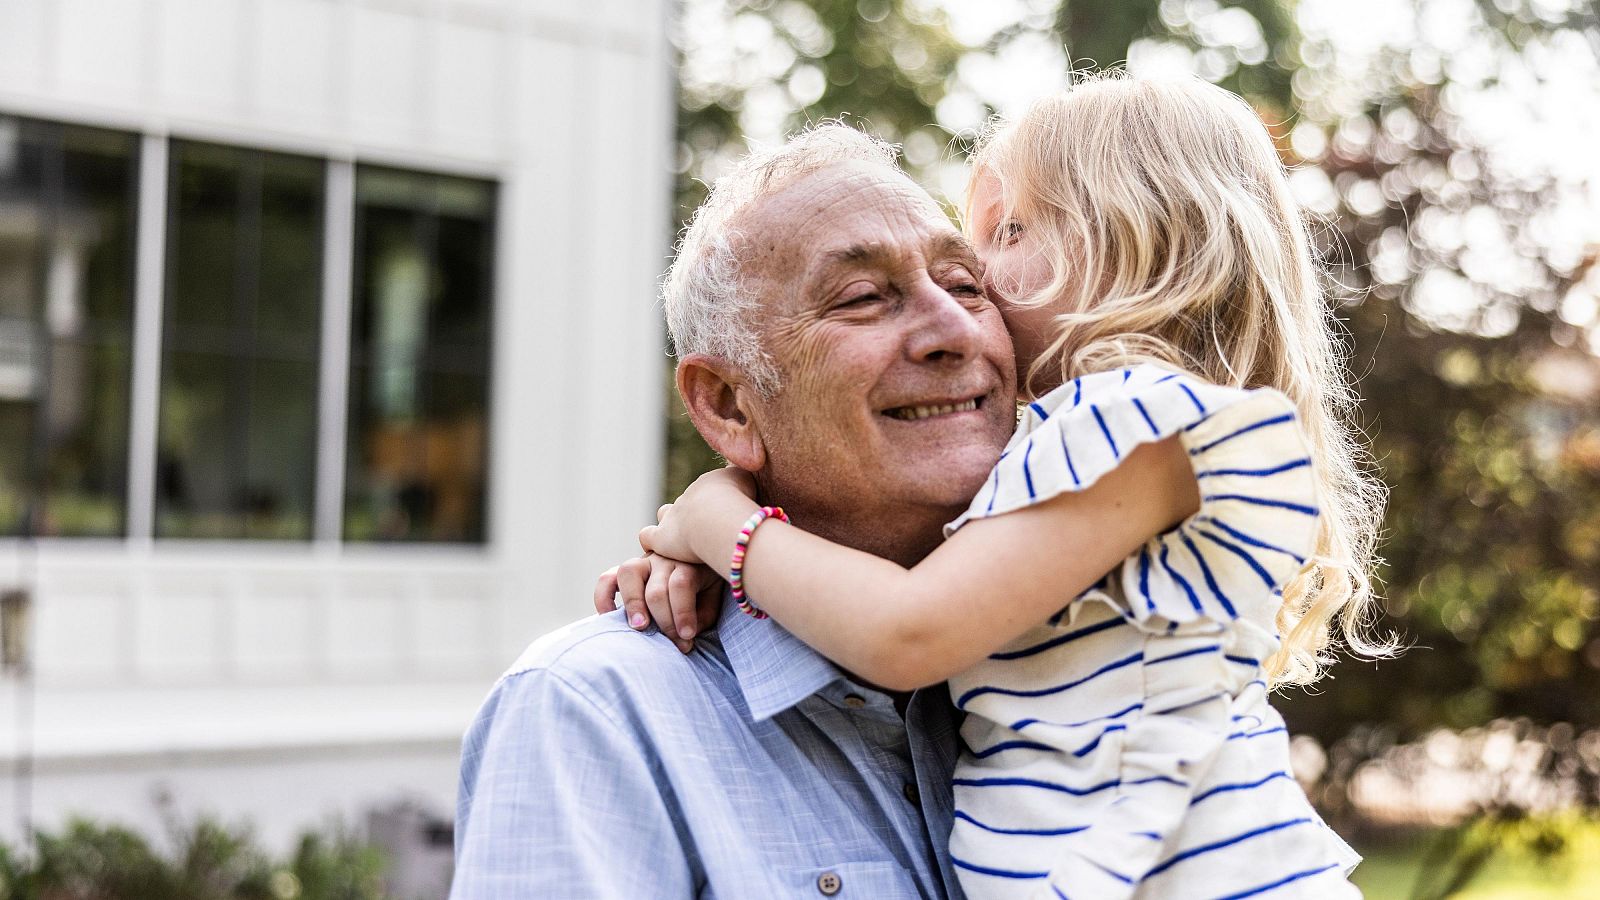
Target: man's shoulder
{"type": "Point", "coordinates": [603, 659]}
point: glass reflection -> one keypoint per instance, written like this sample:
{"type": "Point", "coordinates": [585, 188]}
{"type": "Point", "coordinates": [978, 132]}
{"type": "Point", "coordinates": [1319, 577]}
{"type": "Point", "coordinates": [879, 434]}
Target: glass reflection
{"type": "Point", "coordinates": [67, 214]}
{"type": "Point", "coordinates": [419, 368]}
{"type": "Point", "coordinates": [237, 434]}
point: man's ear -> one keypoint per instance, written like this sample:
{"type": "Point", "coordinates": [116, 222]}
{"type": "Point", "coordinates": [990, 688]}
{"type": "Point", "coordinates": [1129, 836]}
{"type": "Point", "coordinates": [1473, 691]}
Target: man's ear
{"type": "Point", "coordinates": [718, 399]}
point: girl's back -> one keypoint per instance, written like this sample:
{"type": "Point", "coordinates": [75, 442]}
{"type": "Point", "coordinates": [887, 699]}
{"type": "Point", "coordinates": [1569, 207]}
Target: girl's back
{"type": "Point", "coordinates": [1127, 745]}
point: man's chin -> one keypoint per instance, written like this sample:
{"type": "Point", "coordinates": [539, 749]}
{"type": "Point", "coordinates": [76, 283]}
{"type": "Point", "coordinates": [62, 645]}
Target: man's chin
{"type": "Point", "coordinates": [953, 484]}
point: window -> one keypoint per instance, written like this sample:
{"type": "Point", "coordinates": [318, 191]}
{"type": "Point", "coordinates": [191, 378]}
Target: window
{"type": "Point", "coordinates": [237, 442]}
{"type": "Point", "coordinates": [237, 407]}
{"type": "Point", "coordinates": [419, 357]}
{"type": "Point", "coordinates": [67, 214]}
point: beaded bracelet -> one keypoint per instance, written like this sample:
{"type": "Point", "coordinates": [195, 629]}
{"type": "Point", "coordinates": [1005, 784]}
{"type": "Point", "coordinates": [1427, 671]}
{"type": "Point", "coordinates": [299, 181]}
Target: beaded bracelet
{"type": "Point", "coordinates": [740, 545]}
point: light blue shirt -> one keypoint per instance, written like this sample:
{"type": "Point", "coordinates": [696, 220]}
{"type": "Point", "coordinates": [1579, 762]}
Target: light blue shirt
{"type": "Point", "coordinates": [606, 764]}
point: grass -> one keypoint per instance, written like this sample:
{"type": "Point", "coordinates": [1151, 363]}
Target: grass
{"type": "Point", "coordinates": [1512, 872]}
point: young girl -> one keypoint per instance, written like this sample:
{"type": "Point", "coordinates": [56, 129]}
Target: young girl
{"type": "Point", "coordinates": [1152, 266]}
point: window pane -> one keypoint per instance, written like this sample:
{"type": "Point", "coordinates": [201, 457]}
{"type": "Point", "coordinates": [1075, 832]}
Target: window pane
{"type": "Point", "coordinates": [280, 463]}
{"type": "Point", "coordinates": [237, 438]}
{"type": "Point", "coordinates": [67, 214]}
{"type": "Point", "coordinates": [419, 375]}
{"type": "Point", "coordinates": [196, 491]}
{"type": "Point", "coordinates": [290, 310]}
{"type": "Point", "coordinates": [204, 243]}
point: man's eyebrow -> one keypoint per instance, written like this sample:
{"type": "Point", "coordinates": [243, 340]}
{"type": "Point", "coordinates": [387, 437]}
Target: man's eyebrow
{"type": "Point", "coordinates": [947, 245]}
{"type": "Point", "coordinates": [854, 254]}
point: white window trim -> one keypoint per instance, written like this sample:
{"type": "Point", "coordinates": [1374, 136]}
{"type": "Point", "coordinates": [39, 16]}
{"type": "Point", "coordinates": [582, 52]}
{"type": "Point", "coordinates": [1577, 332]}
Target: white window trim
{"type": "Point", "coordinates": [148, 298]}
{"type": "Point", "coordinates": [338, 260]}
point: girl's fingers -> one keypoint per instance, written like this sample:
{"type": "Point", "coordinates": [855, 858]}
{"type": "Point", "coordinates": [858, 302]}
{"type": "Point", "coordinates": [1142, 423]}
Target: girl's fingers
{"type": "Point", "coordinates": [681, 582]}
{"type": "Point", "coordinates": [661, 512]}
{"type": "Point", "coordinates": [631, 578]}
{"type": "Point", "coordinates": [659, 601]}
{"type": "Point", "coordinates": [605, 592]}
{"type": "Point", "coordinates": [647, 537]}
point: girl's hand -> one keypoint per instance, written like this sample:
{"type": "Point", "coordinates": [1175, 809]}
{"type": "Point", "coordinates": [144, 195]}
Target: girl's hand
{"type": "Point", "coordinates": [701, 525]}
{"type": "Point", "coordinates": [680, 598]}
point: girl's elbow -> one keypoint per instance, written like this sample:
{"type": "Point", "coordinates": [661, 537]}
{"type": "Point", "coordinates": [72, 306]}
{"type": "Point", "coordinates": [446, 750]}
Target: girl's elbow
{"type": "Point", "coordinates": [903, 679]}
{"type": "Point", "coordinates": [908, 661]}
{"type": "Point", "coordinates": [885, 667]}
{"type": "Point", "coordinates": [897, 675]}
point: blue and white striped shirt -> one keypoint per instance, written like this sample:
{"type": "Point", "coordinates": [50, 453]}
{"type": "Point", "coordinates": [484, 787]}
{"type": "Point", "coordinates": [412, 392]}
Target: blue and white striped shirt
{"type": "Point", "coordinates": [606, 764]}
{"type": "Point", "coordinates": [1126, 748]}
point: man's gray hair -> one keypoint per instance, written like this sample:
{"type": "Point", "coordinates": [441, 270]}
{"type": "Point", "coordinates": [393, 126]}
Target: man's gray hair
{"type": "Point", "coordinates": [708, 305]}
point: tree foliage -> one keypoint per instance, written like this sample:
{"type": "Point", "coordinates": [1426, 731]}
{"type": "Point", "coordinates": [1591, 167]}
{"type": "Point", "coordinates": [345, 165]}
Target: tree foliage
{"type": "Point", "coordinates": [1479, 394]}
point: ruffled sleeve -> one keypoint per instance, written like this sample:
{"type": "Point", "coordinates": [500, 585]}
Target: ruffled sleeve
{"type": "Point", "coordinates": [1257, 523]}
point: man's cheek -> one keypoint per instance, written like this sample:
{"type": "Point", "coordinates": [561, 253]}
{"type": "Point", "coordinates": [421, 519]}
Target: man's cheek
{"type": "Point", "coordinates": [807, 351]}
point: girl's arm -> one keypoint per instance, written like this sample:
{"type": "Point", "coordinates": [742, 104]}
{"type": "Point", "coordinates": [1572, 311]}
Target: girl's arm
{"type": "Point", "coordinates": [906, 628]}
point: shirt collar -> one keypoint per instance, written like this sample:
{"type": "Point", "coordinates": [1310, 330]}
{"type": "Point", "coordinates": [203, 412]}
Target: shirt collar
{"type": "Point", "coordinates": [774, 668]}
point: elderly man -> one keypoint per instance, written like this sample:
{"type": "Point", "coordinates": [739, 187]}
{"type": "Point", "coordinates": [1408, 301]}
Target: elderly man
{"type": "Point", "coordinates": [824, 311]}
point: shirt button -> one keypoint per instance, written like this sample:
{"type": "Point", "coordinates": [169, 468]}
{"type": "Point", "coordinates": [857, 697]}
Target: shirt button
{"type": "Point", "coordinates": [854, 701]}
{"type": "Point", "coordinates": [829, 884]}
{"type": "Point", "coordinates": [912, 796]}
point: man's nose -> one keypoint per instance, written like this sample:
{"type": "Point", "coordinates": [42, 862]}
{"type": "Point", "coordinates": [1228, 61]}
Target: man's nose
{"type": "Point", "coordinates": [945, 327]}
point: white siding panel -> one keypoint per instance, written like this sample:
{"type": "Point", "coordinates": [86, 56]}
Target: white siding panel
{"type": "Point", "coordinates": [22, 44]}
{"type": "Point", "coordinates": [201, 67]}
{"type": "Point", "coordinates": [450, 630]}
{"type": "Point", "coordinates": [101, 45]}
{"type": "Point", "coordinates": [547, 287]}
{"type": "Point", "coordinates": [80, 633]}
{"type": "Point", "coordinates": [177, 629]}
{"type": "Point", "coordinates": [620, 316]}
{"type": "Point", "coordinates": [295, 53]}
{"type": "Point", "coordinates": [386, 75]}
{"type": "Point", "coordinates": [547, 97]}
{"type": "Point", "coordinates": [466, 96]}
{"type": "Point", "coordinates": [273, 632]}
{"type": "Point", "coordinates": [364, 629]}
{"type": "Point", "coordinates": [623, 16]}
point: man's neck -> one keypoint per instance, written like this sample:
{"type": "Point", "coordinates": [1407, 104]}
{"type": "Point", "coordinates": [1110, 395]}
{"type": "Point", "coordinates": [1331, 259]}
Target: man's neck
{"type": "Point", "coordinates": [902, 536]}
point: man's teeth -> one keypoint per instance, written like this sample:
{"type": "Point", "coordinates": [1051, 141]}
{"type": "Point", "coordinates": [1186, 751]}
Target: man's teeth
{"type": "Point", "coordinates": [923, 412]}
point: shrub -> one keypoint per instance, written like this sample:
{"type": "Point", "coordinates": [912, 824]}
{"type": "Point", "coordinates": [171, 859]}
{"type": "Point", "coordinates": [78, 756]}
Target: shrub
{"type": "Point", "coordinates": [207, 860]}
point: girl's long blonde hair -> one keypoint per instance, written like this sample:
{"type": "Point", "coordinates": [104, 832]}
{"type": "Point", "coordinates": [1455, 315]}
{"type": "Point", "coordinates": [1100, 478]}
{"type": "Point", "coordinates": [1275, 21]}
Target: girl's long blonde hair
{"type": "Point", "coordinates": [1174, 238]}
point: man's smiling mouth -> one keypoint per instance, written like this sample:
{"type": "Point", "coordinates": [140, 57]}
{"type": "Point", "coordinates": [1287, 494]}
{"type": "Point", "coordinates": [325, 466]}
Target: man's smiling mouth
{"type": "Point", "coordinates": [913, 413]}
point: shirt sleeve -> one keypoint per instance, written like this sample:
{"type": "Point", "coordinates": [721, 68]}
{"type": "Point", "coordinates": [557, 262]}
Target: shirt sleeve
{"type": "Point", "coordinates": [1258, 520]}
{"type": "Point", "coordinates": [559, 799]}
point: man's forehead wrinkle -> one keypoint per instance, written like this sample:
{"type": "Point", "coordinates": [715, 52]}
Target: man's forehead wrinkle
{"type": "Point", "coordinates": [841, 215]}
{"type": "Point", "coordinates": [941, 245]}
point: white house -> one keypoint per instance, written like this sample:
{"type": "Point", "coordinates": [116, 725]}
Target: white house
{"type": "Point", "coordinates": [329, 377]}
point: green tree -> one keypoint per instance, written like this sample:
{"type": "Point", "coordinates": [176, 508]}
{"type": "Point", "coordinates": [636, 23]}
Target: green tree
{"type": "Point", "coordinates": [1247, 46]}
{"type": "Point", "coordinates": [1458, 279]}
